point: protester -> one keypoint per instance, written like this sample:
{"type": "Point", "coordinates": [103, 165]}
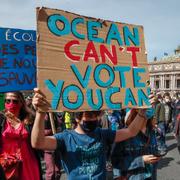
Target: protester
{"type": "Point", "coordinates": [29, 101]}
{"type": "Point", "coordinates": [104, 122]}
{"type": "Point", "coordinates": [82, 149]}
{"type": "Point", "coordinates": [115, 119]}
{"type": "Point", "coordinates": [163, 116]}
{"type": "Point", "coordinates": [53, 168]}
{"type": "Point", "coordinates": [67, 120]}
{"type": "Point", "coordinates": [176, 115]}
{"type": "Point", "coordinates": [176, 110]}
{"type": "Point", "coordinates": [177, 131]}
{"type": "Point", "coordinates": [136, 158]}
{"type": "Point", "coordinates": [31, 110]}
{"type": "Point", "coordinates": [15, 128]}
{"type": "Point", "coordinates": [168, 111]}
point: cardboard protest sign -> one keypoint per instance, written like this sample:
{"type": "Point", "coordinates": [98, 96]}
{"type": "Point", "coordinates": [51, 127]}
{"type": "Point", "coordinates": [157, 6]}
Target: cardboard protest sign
{"type": "Point", "coordinates": [90, 64]}
{"type": "Point", "coordinates": [1, 101]}
{"type": "Point", "coordinates": [17, 59]}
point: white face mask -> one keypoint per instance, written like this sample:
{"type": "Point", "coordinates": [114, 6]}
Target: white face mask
{"type": "Point", "coordinates": [167, 100]}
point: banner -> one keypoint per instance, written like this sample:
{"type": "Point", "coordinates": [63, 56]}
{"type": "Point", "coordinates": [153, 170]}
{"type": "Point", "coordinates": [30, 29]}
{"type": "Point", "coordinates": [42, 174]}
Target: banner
{"type": "Point", "coordinates": [17, 59]}
{"type": "Point", "coordinates": [90, 64]}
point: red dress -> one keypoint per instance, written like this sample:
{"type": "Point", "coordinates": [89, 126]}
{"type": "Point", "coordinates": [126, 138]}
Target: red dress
{"type": "Point", "coordinates": [12, 140]}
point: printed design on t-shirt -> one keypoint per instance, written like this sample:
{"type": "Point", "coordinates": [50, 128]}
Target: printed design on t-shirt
{"type": "Point", "coordinates": [90, 158]}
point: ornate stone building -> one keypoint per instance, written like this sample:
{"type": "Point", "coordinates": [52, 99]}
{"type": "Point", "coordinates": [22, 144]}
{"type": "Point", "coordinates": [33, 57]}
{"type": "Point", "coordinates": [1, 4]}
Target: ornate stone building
{"type": "Point", "coordinates": [165, 73]}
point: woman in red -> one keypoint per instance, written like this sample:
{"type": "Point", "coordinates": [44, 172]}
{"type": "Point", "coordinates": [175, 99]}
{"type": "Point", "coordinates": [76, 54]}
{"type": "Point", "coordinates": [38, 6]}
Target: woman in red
{"type": "Point", "coordinates": [15, 135]}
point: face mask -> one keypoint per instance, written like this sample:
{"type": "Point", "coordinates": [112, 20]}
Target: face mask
{"type": "Point", "coordinates": [167, 100]}
{"type": "Point", "coordinates": [13, 108]}
{"type": "Point", "coordinates": [89, 126]}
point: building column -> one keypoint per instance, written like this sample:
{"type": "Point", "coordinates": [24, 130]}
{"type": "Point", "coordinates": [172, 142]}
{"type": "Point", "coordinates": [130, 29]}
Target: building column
{"type": "Point", "coordinates": [171, 82]}
{"type": "Point", "coordinates": [174, 82]}
{"type": "Point", "coordinates": [162, 82]}
{"type": "Point", "coordinates": [152, 82]}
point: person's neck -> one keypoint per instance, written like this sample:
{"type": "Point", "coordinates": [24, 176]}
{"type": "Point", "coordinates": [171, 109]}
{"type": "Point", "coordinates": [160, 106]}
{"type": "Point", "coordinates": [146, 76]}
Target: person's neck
{"type": "Point", "coordinates": [79, 130]}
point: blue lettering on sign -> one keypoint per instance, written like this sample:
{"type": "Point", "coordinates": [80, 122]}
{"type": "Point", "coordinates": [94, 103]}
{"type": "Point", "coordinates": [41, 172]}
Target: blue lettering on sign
{"type": "Point", "coordinates": [129, 98]}
{"type": "Point", "coordinates": [109, 92]}
{"type": "Point", "coordinates": [92, 32]}
{"type": "Point", "coordinates": [74, 23]}
{"type": "Point", "coordinates": [89, 96]}
{"type": "Point", "coordinates": [114, 34]}
{"type": "Point", "coordinates": [128, 35]}
{"type": "Point", "coordinates": [55, 90]}
{"type": "Point", "coordinates": [142, 97]}
{"type": "Point", "coordinates": [53, 27]}
{"type": "Point", "coordinates": [97, 72]}
{"type": "Point", "coordinates": [137, 78]}
{"type": "Point", "coordinates": [122, 70]}
{"type": "Point", "coordinates": [82, 80]}
{"type": "Point", "coordinates": [79, 99]}
{"type": "Point", "coordinates": [96, 104]}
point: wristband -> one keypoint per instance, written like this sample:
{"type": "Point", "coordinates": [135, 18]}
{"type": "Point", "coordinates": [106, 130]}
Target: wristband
{"type": "Point", "coordinates": [39, 111]}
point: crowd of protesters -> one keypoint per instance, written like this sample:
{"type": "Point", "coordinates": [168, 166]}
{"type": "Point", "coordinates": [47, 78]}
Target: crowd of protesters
{"type": "Point", "coordinates": [120, 144]}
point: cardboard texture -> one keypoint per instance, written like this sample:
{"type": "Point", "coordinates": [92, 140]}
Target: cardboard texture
{"type": "Point", "coordinates": [86, 63]}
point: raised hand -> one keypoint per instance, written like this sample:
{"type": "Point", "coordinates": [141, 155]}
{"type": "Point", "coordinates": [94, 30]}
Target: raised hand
{"type": "Point", "coordinates": [40, 102]}
{"type": "Point", "coordinates": [152, 99]}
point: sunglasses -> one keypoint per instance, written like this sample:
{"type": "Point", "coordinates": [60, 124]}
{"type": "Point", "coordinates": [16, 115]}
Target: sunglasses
{"type": "Point", "coordinates": [14, 101]}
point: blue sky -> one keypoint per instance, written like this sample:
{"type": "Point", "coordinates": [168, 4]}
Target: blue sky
{"type": "Point", "coordinates": [160, 18]}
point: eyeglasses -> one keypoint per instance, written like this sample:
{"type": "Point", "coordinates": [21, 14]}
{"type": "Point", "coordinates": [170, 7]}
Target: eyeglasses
{"type": "Point", "coordinates": [14, 101]}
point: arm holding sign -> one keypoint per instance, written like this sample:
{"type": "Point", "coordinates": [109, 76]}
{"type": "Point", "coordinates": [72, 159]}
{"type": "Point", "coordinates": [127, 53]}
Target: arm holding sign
{"type": "Point", "coordinates": [133, 128]}
{"type": "Point", "coordinates": [38, 138]}
{"type": "Point", "coordinates": [138, 118]}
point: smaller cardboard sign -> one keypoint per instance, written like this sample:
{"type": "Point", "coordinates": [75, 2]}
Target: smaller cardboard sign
{"type": "Point", "coordinates": [17, 59]}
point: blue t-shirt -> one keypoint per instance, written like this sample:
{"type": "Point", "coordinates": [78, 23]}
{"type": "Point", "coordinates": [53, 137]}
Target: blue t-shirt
{"type": "Point", "coordinates": [84, 155]}
{"type": "Point", "coordinates": [127, 155]}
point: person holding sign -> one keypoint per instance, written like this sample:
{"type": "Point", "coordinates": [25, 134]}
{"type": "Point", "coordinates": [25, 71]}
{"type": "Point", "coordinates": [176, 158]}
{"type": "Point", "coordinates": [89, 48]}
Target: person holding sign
{"type": "Point", "coordinates": [15, 125]}
{"type": "Point", "coordinates": [82, 149]}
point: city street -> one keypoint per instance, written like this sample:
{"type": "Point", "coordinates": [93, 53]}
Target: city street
{"type": "Point", "coordinates": [169, 166]}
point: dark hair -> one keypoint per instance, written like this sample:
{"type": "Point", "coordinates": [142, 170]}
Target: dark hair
{"type": "Point", "coordinates": [24, 113]}
{"type": "Point", "coordinates": [177, 94]}
{"type": "Point", "coordinates": [150, 123]}
{"type": "Point", "coordinates": [166, 94]}
{"type": "Point", "coordinates": [78, 115]}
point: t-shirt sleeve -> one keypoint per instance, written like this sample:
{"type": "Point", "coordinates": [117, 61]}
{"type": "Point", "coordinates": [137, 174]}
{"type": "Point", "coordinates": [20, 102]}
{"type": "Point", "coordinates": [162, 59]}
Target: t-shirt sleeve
{"type": "Point", "coordinates": [108, 135]}
{"type": "Point", "coordinates": [60, 142]}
